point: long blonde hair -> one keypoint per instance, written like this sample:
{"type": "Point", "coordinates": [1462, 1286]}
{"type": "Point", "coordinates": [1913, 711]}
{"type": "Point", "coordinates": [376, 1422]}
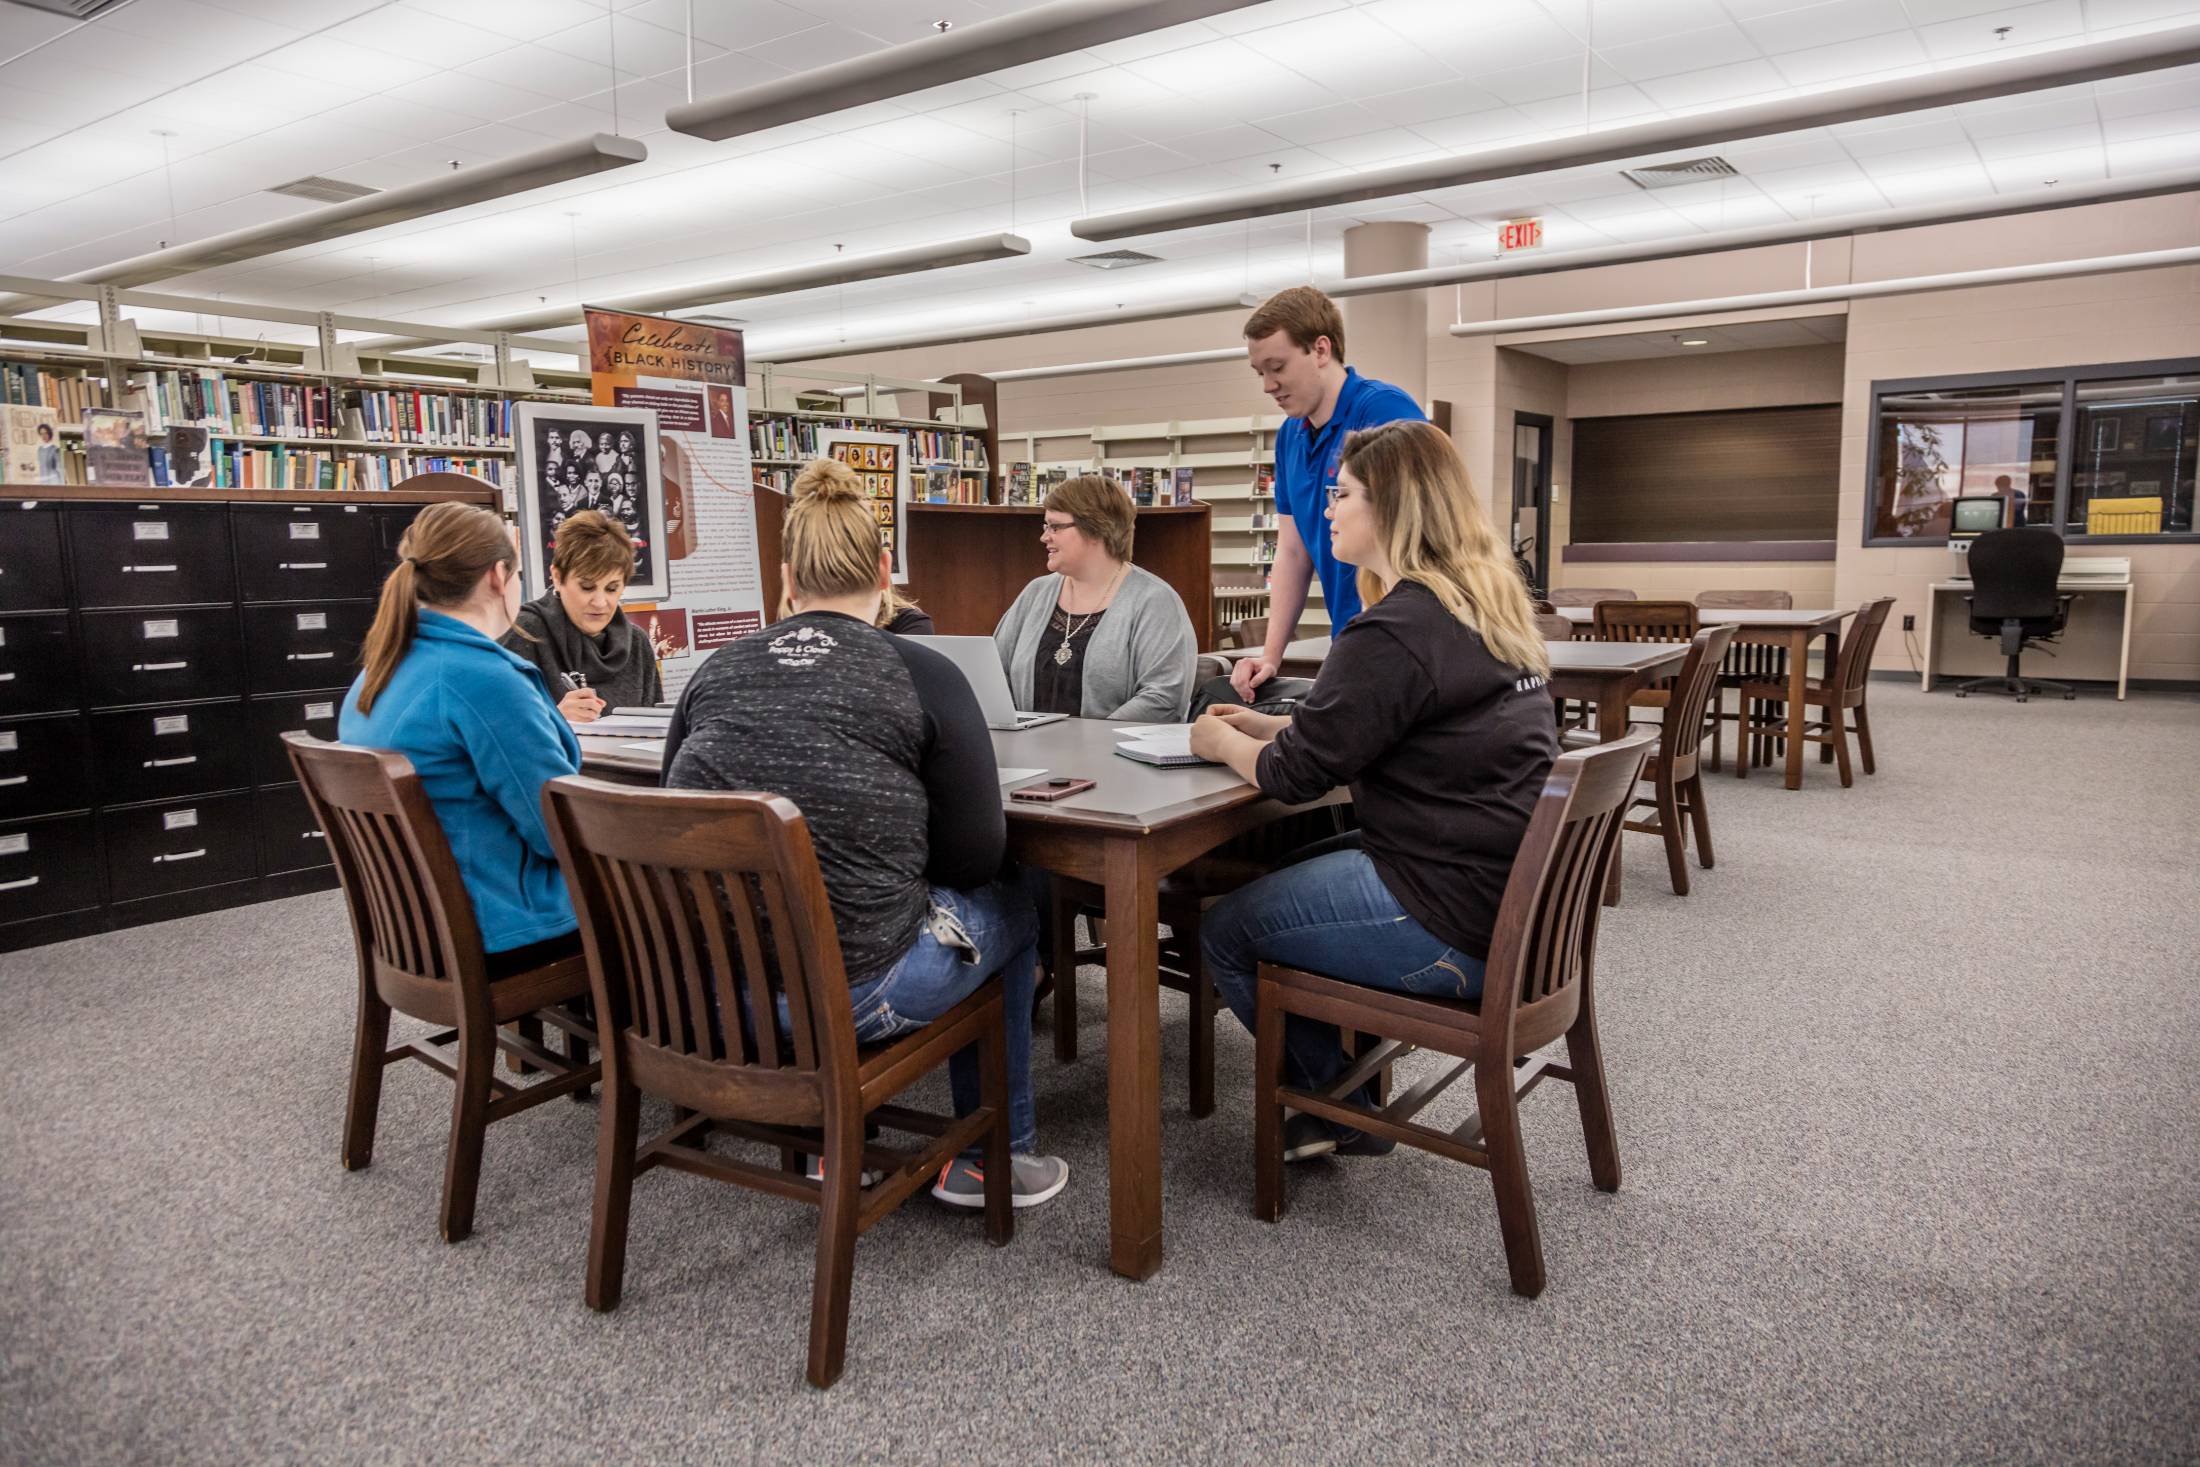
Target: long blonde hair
{"type": "Point", "coordinates": [444, 554]}
{"type": "Point", "coordinates": [1435, 531]}
{"type": "Point", "coordinates": [830, 537]}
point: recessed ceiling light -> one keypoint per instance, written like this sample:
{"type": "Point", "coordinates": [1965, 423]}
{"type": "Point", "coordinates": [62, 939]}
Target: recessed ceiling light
{"type": "Point", "coordinates": [1694, 340]}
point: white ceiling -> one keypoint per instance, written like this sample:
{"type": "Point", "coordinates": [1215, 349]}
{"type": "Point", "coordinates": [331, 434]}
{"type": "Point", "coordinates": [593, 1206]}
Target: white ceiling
{"type": "Point", "coordinates": [389, 92]}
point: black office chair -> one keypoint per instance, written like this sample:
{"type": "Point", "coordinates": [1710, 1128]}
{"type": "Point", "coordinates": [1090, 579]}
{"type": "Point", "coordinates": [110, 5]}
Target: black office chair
{"type": "Point", "coordinates": [2013, 574]}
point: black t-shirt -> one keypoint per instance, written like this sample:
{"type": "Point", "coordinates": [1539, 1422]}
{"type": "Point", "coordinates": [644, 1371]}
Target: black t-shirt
{"type": "Point", "coordinates": [1058, 686]}
{"type": "Point", "coordinates": [910, 621]}
{"type": "Point", "coordinates": [1445, 748]}
{"type": "Point", "coordinates": [880, 744]}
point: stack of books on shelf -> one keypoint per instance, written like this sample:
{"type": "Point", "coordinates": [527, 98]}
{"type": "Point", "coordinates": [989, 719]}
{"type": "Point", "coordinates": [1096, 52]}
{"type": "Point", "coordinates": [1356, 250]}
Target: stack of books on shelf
{"type": "Point", "coordinates": [206, 398]}
{"type": "Point", "coordinates": [1154, 487]}
{"type": "Point", "coordinates": [947, 484]}
{"type": "Point", "coordinates": [1031, 484]}
{"type": "Point", "coordinates": [26, 384]}
{"type": "Point", "coordinates": [947, 446]}
{"type": "Point", "coordinates": [405, 415]}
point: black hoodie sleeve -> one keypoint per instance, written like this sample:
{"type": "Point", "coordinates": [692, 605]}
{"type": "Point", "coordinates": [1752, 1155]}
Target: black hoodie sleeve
{"type": "Point", "coordinates": [962, 780]}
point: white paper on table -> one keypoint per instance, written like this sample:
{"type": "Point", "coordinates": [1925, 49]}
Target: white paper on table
{"type": "Point", "coordinates": [1175, 741]}
{"type": "Point", "coordinates": [1149, 730]}
{"type": "Point", "coordinates": [1018, 776]}
{"type": "Point", "coordinates": [624, 723]}
{"type": "Point", "coordinates": [646, 746]}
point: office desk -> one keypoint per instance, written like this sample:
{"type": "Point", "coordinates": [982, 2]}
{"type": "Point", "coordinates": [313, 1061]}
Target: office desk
{"type": "Point", "coordinates": [1137, 824]}
{"type": "Point", "coordinates": [2081, 586]}
{"type": "Point", "coordinates": [1793, 630]}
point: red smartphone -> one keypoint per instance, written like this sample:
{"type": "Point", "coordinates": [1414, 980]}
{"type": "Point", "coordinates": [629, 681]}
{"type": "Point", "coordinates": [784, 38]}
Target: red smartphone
{"type": "Point", "coordinates": [1050, 789]}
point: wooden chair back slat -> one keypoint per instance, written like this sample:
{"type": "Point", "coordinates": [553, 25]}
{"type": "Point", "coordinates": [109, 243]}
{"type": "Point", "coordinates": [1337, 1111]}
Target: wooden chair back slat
{"type": "Point", "coordinates": [1645, 621]}
{"type": "Point", "coordinates": [1560, 596]}
{"type": "Point", "coordinates": [1855, 662]}
{"type": "Point", "coordinates": [1545, 925]}
{"type": "Point", "coordinates": [1745, 600]}
{"type": "Point", "coordinates": [703, 913]}
{"type": "Point", "coordinates": [1693, 686]}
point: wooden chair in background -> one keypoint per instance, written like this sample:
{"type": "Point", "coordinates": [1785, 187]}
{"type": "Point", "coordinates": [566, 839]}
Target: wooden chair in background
{"type": "Point", "coordinates": [420, 954]}
{"type": "Point", "coordinates": [1555, 628]}
{"type": "Point", "coordinates": [1538, 985]}
{"type": "Point", "coordinates": [1646, 621]}
{"type": "Point", "coordinates": [1561, 596]}
{"type": "Point", "coordinates": [718, 982]}
{"type": "Point", "coordinates": [1840, 696]}
{"type": "Point", "coordinates": [1744, 663]}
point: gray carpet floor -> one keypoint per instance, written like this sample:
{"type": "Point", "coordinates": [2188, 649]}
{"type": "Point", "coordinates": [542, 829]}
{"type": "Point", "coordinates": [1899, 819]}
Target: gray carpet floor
{"type": "Point", "coordinates": [1905, 1102]}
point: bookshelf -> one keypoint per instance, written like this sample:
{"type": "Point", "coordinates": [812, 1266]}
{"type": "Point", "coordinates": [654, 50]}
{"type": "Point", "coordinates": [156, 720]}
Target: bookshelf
{"type": "Point", "coordinates": [953, 438]}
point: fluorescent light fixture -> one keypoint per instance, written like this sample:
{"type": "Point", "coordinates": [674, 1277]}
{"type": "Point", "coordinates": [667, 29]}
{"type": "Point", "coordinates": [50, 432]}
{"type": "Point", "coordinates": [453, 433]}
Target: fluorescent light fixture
{"type": "Point", "coordinates": [1693, 340]}
{"type": "Point", "coordinates": [2070, 66]}
{"type": "Point", "coordinates": [558, 164]}
{"type": "Point", "coordinates": [840, 270]}
{"type": "Point", "coordinates": [934, 61]}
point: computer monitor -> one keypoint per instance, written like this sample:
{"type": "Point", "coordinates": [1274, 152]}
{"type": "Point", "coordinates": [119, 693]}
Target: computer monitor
{"type": "Point", "coordinates": [1975, 514]}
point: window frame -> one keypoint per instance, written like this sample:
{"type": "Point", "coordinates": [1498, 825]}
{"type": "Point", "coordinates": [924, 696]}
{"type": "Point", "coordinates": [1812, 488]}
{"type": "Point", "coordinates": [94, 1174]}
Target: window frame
{"type": "Point", "coordinates": [2065, 450]}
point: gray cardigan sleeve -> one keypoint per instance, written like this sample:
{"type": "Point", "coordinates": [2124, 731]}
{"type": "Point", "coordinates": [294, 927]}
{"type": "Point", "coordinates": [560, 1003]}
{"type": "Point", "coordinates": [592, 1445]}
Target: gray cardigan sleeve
{"type": "Point", "coordinates": [1156, 681]}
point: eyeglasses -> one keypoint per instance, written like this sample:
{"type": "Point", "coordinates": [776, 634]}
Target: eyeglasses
{"type": "Point", "coordinates": [1336, 493]}
{"type": "Point", "coordinates": [1056, 527]}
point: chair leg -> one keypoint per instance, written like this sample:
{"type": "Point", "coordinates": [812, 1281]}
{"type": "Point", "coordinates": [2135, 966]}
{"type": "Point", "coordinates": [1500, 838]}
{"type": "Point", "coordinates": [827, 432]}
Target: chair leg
{"type": "Point", "coordinates": [1267, 1110]}
{"type": "Point", "coordinates": [369, 1041]}
{"type": "Point", "coordinates": [1493, 1083]}
{"type": "Point", "coordinates": [1669, 829]}
{"type": "Point", "coordinates": [477, 1057]}
{"type": "Point", "coordinates": [1065, 979]}
{"type": "Point", "coordinates": [836, 1250]}
{"type": "Point", "coordinates": [1000, 1176]}
{"type": "Point", "coordinates": [1203, 1019]}
{"type": "Point", "coordinates": [617, 1124]}
{"type": "Point", "coordinates": [1864, 739]}
{"type": "Point", "coordinates": [1700, 818]}
{"type": "Point", "coordinates": [529, 1028]}
{"type": "Point", "coordinates": [1585, 1057]}
{"type": "Point", "coordinates": [1837, 744]}
{"type": "Point", "coordinates": [576, 1054]}
{"type": "Point", "coordinates": [1718, 721]}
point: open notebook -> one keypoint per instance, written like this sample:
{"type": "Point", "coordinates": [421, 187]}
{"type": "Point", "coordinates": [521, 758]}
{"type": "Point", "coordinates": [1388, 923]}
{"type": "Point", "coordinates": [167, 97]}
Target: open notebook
{"type": "Point", "coordinates": [1157, 743]}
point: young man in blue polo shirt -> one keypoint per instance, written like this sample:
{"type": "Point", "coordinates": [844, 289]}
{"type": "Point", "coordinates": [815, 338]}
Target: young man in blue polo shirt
{"type": "Point", "coordinates": [1296, 343]}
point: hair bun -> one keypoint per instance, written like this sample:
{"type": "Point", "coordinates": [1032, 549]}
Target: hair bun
{"type": "Point", "coordinates": [829, 480]}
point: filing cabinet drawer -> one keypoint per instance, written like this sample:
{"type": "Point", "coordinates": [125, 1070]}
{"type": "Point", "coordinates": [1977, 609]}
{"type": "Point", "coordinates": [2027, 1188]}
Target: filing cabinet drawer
{"type": "Point", "coordinates": [37, 664]}
{"type": "Point", "coordinates": [304, 553]}
{"type": "Point", "coordinates": [42, 767]}
{"type": "Point", "coordinates": [169, 753]}
{"type": "Point", "coordinates": [289, 838]}
{"type": "Point", "coordinates": [314, 713]}
{"type": "Point", "coordinates": [156, 849]}
{"type": "Point", "coordinates": [151, 555]}
{"type": "Point", "coordinates": [49, 866]}
{"type": "Point", "coordinates": [31, 577]}
{"type": "Point", "coordinates": [164, 655]}
{"type": "Point", "coordinates": [391, 521]}
{"type": "Point", "coordinates": [297, 647]}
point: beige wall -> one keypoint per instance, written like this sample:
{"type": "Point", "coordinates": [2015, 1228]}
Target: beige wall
{"type": "Point", "coordinates": [1781, 377]}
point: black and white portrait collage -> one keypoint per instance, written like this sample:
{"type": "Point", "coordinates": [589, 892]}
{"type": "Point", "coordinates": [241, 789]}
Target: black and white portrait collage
{"type": "Point", "coordinates": [603, 459]}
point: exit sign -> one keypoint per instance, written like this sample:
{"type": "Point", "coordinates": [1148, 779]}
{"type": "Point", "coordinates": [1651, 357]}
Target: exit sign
{"type": "Point", "coordinates": [1519, 234]}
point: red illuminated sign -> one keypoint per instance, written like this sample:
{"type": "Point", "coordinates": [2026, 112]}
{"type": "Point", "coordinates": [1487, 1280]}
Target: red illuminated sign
{"type": "Point", "coordinates": [1520, 234]}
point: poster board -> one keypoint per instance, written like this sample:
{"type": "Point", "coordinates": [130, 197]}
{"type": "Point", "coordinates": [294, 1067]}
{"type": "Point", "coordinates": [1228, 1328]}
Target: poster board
{"type": "Point", "coordinates": [573, 457]}
{"type": "Point", "coordinates": [881, 461]}
{"type": "Point", "coordinates": [693, 380]}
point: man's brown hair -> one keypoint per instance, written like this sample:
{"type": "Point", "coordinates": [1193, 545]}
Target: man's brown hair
{"type": "Point", "coordinates": [1302, 313]}
{"type": "Point", "coordinates": [1101, 509]}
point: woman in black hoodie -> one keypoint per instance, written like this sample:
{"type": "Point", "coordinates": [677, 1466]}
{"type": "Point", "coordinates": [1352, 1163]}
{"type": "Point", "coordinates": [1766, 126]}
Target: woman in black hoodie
{"type": "Point", "coordinates": [593, 658]}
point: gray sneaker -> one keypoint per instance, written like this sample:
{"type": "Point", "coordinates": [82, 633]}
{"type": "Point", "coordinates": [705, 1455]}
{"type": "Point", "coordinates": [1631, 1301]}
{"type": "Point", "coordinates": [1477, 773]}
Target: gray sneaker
{"type": "Point", "coordinates": [1035, 1180]}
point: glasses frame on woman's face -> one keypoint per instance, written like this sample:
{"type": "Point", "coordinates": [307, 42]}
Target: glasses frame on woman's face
{"type": "Point", "coordinates": [1349, 491]}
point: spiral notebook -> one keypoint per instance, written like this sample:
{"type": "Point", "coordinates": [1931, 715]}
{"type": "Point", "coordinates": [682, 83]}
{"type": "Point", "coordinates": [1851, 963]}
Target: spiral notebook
{"type": "Point", "coordinates": [1159, 743]}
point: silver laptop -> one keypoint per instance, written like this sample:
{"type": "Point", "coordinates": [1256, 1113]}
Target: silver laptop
{"type": "Point", "coordinates": [980, 662]}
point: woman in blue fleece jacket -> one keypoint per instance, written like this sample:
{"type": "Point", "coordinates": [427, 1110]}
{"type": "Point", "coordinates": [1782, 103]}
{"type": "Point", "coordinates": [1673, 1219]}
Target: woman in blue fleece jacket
{"type": "Point", "coordinates": [477, 722]}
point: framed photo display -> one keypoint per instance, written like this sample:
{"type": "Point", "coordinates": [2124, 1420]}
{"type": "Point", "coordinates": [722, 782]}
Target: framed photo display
{"type": "Point", "coordinates": [574, 456]}
{"type": "Point", "coordinates": [881, 461]}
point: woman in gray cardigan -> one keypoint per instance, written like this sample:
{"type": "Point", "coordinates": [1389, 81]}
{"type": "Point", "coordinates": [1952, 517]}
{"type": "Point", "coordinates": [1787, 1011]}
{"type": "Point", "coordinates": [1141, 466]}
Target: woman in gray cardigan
{"type": "Point", "coordinates": [1098, 637]}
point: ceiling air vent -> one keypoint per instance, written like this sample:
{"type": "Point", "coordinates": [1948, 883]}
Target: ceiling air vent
{"type": "Point", "coordinates": [322, 190]}
{"type": "Point", "coordinates": [1115, 259]}
{"type": "Point", "coordinates": [1673, 175]}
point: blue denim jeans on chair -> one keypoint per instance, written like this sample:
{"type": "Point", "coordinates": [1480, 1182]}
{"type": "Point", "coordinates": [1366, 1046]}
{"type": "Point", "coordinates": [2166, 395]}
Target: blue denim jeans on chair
{"type": "Point", "coordinates": [1331, 915]}
{"type": "Point", "coordinates": [939, 971]}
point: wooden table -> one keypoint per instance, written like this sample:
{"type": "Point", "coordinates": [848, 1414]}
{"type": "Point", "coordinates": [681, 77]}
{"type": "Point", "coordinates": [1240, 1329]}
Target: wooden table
{"type": "Point", "coordinates": [1793, 630]}
{"type": "Point", "coordinates": [1137, 824]}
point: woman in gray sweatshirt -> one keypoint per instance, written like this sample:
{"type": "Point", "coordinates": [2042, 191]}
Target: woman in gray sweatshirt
{"type": "Point", "coordinates": [1098, 637]}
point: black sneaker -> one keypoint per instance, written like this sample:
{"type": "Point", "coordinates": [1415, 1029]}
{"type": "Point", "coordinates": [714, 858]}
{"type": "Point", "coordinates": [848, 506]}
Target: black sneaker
{"type": "Point", "coordinates": [1307, 1136]}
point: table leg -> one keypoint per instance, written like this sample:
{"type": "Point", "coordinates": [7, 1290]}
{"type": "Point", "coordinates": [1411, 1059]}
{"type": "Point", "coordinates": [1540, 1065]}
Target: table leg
{"type": "Point", "coordinates": [2123, 655]}
{"type": "Point", "coordinates": [1798, 677]}
{"type": "Point", "coordinates": [1134, 1060]}
{"type": "Point", "coordinates": [1612, 699]}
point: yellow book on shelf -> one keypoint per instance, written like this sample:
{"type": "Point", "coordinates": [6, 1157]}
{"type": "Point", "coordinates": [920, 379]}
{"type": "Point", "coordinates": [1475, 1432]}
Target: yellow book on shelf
{"type": "Point", "coordinates": [2124, 516]}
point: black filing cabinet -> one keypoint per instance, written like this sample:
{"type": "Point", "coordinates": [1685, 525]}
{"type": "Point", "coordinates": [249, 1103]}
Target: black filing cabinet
{"type": "Point", "coordinates": [155, 645]}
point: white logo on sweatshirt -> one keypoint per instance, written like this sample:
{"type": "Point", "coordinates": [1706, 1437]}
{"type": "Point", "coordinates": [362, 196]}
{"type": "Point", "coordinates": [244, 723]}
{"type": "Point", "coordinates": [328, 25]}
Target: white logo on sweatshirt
{"type": "Point", "coordinates": [1527, 684]}
{"type": "Point", "coordinates": [801, 647]}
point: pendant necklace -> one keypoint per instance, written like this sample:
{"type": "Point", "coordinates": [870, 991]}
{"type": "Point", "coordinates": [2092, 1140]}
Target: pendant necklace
{"type": "Point", "coordinates": [1062, 654]}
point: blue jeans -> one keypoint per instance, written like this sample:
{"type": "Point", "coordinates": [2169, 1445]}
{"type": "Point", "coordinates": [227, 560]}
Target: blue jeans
{"type": "Point", "coordinates": [1330, 914]}
{"type": "Point", "coordinates": [938, 972]}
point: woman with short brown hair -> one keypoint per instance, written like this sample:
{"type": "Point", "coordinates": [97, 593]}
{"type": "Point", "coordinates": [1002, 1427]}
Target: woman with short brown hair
{"type": "Point", "coordinates": [592, 657]}
{"type": "Point", "coordinates": [1100, 637]}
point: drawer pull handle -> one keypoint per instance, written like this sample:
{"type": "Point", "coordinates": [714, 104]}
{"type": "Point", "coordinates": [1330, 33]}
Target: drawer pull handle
{"type": "Point", "coordinates": [16, 779]}
{"type": "Point", "coordinates": [19, 883]}
{"type": "Point", "coordinates": [303, 565]}
{"type": "Point", "coordinates": [171, 763]}
{"type": "Point", "coordinates": [7, 677]}
{"type": "Point", "coordinates": [182, 855]}
{"type": "Point", "coordinates": [150, 568]}
{"type": "Point", "coordinates": [157, 666]}
{"type": "Point", "coordinates": [308, 656]}
{"type": "Point", "coordinates": [314, 835]}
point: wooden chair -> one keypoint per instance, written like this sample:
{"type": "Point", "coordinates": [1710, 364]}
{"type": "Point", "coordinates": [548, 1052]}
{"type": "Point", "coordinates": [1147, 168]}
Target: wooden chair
{"type": "Point", "coordinates": [1674, 773]}
{"type": "Point", "coordinates": [1554, 628]}
{"type": "Point", "coordinates": [718, 984]}
{"type": "Point", "coordinates": [1537, 985]}
{"type": "Point", "coordinates": [1252, 631]}
{"type": "Point", "coordinates": [420, 954]}
{"type": "Point", "coordinates": [1838, 696]}
{"type": "Point", "coordinates": [1560, 596]}
{"type": "Point", "coordinates": [1646, 621]}
{"type": "Point", "coordinates": [1744, 663]}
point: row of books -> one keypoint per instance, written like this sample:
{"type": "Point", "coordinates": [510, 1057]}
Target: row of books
{"type": "Point", "coordinates": [946, 484]}
{"type": "Point", "coordinates": [249, 466]}
{"type": "Point", "coordinates": [774, 437]}
{"type": "Point", "coordinates": [1147, 487]}
{"type": "Point", "coordinates": [947, 446]}
{"type": "Point", "coordinates": [205, 398]}
{"type": "Point", "coordinates": [26, 384]}
{"type": "Point", "coordinates": [442, 419]}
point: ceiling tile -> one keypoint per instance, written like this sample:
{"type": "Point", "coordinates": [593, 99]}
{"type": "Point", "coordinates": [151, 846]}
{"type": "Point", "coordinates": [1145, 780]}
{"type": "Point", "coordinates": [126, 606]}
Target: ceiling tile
{"type": "Point", "coordinates": [1883, 166]}
{"type": "Point", "coordinates": [1345, 53]}
{"type": "Point", "coordinates": [2032, 144]}
{"type": "Point", "coordinates": [1608, 25]}
{"type": "Point", "coordinates": [1390, 145]}
{"type": "Point", "coordinates": [1546, 79]}
{"type": "Point", "coordinates": [2029, 25]}
{"type": "Point", "coordinates": [1718, 45]}
{"type": "Point", "coordinates": [1320, 124]}
{"type": "Point", "coordinates": [736, 26]}
{"type": "Point", "coordinates": [2024, 113]}
{"type": "Point", "coordinates": [1879, 55]}
{"type": "Point", "coordinates": [1426, 104]}
{"type": "Point", "coordinates": [2185, 124]}
{"type": "Point", "coordinates": [1903, 137]}
{"type": "Point", "coordinates": [1719, 85]}
{"type": "Point", "coordinates": [1826, 24]}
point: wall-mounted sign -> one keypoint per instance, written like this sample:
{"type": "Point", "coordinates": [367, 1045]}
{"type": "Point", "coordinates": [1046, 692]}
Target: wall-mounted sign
{"type": "Point", "coordinates": [1519, 234]}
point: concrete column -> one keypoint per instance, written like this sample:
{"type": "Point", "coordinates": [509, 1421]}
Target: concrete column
{"type": "Point", "coordinates": [1386, 336]}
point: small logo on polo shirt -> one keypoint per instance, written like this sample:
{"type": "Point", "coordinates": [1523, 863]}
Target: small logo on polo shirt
{"type": "Point", "coordinates": [801, 647]}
